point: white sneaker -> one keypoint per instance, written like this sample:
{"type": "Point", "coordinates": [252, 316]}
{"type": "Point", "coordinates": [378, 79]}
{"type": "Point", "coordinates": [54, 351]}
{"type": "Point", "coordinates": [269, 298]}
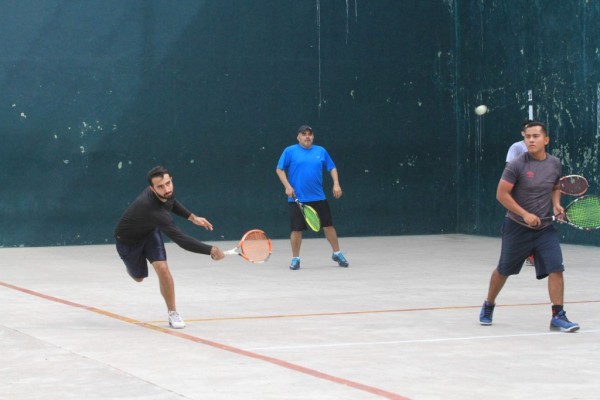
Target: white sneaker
{"type": "Point", "coordinates": [175, 320]}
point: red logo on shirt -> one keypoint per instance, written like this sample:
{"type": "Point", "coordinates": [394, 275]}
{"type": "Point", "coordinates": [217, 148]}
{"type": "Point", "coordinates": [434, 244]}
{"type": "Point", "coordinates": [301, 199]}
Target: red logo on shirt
{"type": "Point", "coordinates": [530, 174]}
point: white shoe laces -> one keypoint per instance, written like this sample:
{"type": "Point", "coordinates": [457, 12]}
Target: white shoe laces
{"type": "Point", "coordinates": [175, 317]}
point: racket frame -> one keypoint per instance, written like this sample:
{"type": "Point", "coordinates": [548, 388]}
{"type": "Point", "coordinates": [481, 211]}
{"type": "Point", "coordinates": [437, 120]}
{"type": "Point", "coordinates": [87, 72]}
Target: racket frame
{"type": "Point", "coordinates": [580, 179]}
{"type": "Point", "coordinates": [565, 219]}
{"type": "Point", "coordinates": [303, 208]}
{"type": "Point", "coordinates": [239, 249]}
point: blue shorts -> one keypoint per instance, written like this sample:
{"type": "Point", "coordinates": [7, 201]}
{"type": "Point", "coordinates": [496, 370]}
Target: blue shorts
{"type": "Point", "coordinates": [519, 242]}
{"type": "Point", "coordinates": [152, 248]}
{"type": "Point", "coordinates": [297, 222]}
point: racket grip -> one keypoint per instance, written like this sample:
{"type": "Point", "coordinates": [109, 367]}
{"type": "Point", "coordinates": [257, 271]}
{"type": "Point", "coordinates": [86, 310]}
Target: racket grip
{"type": "Point", "coordinates": [550, 218]}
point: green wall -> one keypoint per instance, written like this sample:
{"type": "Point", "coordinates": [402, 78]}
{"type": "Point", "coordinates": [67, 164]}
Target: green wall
{"type": "Point", "coordinates": [507, 48]}
{"type": "Point", "coordinates": [95, 93]}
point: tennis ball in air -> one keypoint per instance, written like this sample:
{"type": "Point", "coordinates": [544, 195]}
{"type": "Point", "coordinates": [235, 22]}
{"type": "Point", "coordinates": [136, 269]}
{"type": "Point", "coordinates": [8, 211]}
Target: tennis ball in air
{"type": "Point", "coordinates": [480, 110]}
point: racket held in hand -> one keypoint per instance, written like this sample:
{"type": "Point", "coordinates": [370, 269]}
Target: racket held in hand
{"type": "Point", "coordinates": [310, 216]}
{"type": "Point", "coordinates": [583, 213]}
{"type": "Point", "coordinates": [255, 246]}
{"type": "Point", "coordinates": [573, 185]}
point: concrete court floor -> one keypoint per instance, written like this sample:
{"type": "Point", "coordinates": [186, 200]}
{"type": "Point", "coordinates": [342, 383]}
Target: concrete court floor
{"type": "Point", "coordinates": [401, 322]}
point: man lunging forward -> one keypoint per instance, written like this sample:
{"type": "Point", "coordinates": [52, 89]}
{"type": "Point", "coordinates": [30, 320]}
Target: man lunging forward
{"type": "Point", "coordinates": [138, 236]}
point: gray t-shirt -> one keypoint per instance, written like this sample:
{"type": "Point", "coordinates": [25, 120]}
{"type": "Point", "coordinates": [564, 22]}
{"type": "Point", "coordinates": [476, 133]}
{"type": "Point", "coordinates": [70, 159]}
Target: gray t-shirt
{"type": "Point", "coordinates": [533, 184]}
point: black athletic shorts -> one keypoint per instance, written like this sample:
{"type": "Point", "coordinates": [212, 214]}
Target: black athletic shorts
{"type": "Point", "coordinates": [152, 248]}
{"type": "Point", "coordinates": [519, 242]}
{"type": "Point", "coordinates": [297, 222]}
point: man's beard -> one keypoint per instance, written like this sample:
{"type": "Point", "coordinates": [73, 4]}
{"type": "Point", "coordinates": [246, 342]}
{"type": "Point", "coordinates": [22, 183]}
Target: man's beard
{"type": "Point", "coordinates": [166, 197]}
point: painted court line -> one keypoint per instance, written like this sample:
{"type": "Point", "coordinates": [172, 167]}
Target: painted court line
{"type": "Point", "coordinates": [413, 341]}
{"type": "Point", "coordinates": [235, 350]}
{"type": "Point", "coordinates": [401, 310]}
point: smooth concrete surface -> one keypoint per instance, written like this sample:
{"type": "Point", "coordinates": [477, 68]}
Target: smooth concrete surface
{"type": "Point", "coordinates": [401, 322]}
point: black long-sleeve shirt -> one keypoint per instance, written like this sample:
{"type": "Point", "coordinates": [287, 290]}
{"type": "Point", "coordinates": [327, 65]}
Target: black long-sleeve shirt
{"type": "Point", "coordinates": [147, 213]}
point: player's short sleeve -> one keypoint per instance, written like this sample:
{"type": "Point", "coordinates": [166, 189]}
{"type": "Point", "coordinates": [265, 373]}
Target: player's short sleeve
{"type": "Point", "coordinates": [510, 173]}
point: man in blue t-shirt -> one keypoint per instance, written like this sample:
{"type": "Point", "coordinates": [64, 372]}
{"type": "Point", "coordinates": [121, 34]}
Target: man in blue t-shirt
{"type": "Point", "coordinates": [300, 169]}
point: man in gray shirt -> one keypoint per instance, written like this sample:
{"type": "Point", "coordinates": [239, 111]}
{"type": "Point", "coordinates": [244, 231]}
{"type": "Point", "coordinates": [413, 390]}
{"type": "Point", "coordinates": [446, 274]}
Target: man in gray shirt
{"type": "Point", "coordinates": [529, 191]}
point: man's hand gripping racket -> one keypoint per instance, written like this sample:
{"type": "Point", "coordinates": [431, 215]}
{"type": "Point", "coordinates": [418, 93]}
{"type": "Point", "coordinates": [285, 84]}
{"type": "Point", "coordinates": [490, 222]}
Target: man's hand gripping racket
{"type": "Point", "coordinates": [572, 185]}
{"type": "Point", "coordinates": [254, 246]}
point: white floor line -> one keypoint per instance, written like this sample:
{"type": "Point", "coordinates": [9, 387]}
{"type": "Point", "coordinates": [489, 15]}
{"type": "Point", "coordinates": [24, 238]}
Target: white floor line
{"type": "Point", "coordinates": [412, 341]}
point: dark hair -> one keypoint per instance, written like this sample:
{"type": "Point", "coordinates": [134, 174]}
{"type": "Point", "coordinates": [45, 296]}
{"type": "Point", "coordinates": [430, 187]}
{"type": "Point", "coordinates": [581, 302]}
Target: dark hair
{"type": "Point", "coordinates": [531, 124]}
{"type": "Point", "coordinates": [158, 171]}
{"type": "Point", "coordinates": [525, 123]}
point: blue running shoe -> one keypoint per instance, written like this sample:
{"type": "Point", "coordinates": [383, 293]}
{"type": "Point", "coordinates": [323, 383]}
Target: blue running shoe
{"type": "Point", "coordinates": [295, 264]}
{"type": "Point", "coordinates": [559, 322]}
{"type": "Point", "coordinates": [486, 314]}
{"type": "Point", "coordinates": [340, 259]}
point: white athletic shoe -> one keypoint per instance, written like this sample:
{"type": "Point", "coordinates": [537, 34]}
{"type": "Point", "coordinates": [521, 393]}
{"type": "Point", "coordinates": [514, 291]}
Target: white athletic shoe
{"type": "Point", "coordinates": [175, 320]}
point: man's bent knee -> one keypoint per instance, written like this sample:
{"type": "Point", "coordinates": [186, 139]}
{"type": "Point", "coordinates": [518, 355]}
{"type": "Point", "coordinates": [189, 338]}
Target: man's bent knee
{"type": "Point", "coordinates": [160, 266]}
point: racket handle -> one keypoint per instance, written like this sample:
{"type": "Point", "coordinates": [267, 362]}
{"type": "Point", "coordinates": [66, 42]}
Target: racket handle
{"type": "Point", "coordinates": [231, 252]}
{"type": "Point", "coordinates": [550, 218]}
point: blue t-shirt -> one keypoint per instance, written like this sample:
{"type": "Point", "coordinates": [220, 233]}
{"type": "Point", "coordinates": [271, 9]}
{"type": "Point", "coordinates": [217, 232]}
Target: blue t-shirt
{"type": "Point", "coordinates": [304, 170]}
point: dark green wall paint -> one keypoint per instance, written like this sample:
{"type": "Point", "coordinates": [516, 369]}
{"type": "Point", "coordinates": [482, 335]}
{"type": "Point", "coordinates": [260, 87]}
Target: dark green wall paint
{"type": "Point", "coordinates": [507, 48]}
{"type": "Point", "coordinates": [97, 92]}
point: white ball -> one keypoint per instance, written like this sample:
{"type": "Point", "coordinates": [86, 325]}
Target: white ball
{"type": "Point", "coordinates": [480, 110]}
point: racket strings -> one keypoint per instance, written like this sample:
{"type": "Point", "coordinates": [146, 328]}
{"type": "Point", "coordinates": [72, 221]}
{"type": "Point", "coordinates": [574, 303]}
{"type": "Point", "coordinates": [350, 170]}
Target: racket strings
{"type": "Point", "coordinates": [256, 246]}
{"type": "Point", "coordinates": [312, 218]}
{"type": "Point", "coordinates": [255, 235]}
{"type": "Point", "coordinates": [574, 185]}
{"type": "Point", "coordinates": [585, 212]}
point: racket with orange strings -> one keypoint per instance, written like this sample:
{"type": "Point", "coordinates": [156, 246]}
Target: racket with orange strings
{"type": "Point", "coordinates": [255, 247]}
